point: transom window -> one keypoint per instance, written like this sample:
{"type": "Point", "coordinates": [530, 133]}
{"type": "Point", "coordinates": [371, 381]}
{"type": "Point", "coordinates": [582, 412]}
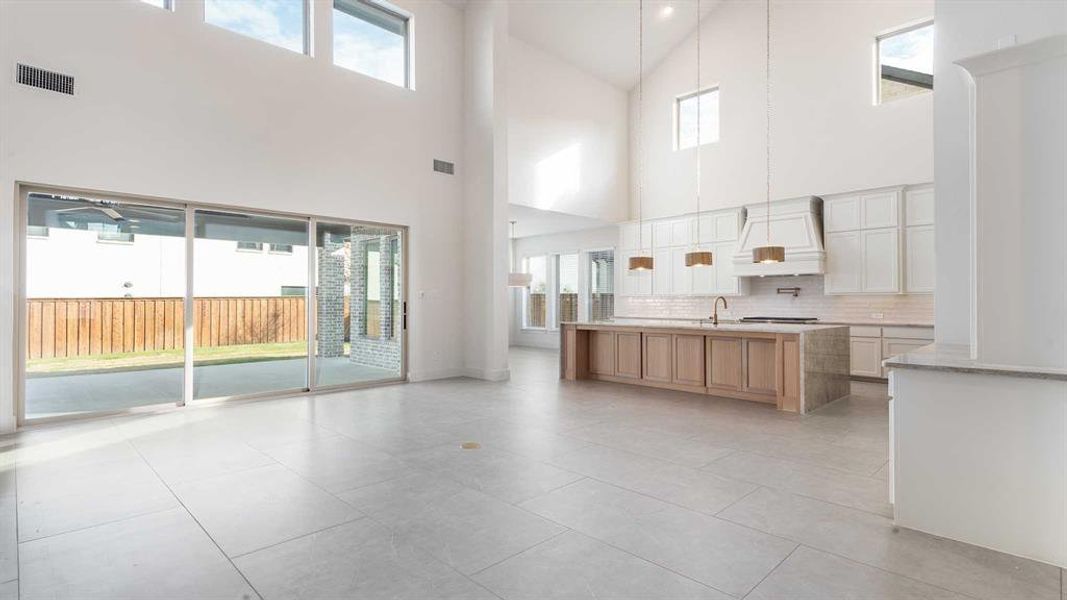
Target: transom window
{"type": "Point", "coordinates": [164, 4]}
{"type": "Point", "coordinates": [685, 118]}
{"type": "Point", "coordinates": [282, 23]}
{"type": "Point", "coordinates": [371, 38]}
{"type": "Point", "coordinates": [906, 63]}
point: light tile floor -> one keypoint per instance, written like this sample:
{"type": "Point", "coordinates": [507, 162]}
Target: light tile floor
{"type": "Point", "coordinates": [579, 490]}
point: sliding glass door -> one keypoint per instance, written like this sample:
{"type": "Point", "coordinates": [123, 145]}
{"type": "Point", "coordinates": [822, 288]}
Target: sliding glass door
{"type": "Point", "coordinates": [359, 306]}
{"type": "Point", "coordinates": [104, 292]}
{"type": "Point", "coordinates": [250, 288]}
{"type": "Point", "coordinates": [115, 320]}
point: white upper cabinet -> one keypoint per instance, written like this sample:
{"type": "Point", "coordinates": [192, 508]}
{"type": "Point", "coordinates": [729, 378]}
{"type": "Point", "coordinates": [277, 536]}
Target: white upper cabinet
{"type": "Point", "coordinates": [670, 239]}
{"type": "Point", "coordinates": [632, 283]}
{"type": "Point", "coordinates": [629, 239]}
{"type": "Point", "coordinates": [881, 266]}
{"type": "Point", "coordinates": [661, 274]}
{"type": "Point", "coordinates": [661, 234]}
{"type": "Point", "coordinates": [725, 281]}
{"type": "Point", "coordinates": [919, 254]}
{"type": "Point", "coordinates": [681, 232]}
{"type": "Point", "coordinates": [842, 214]}
{"type": "Point", "coordinates": [880, 241]}
{"type": "Point", "coordinates": [881, 209]}
{"type": "Point", "coordinates": [681, 278]}
{"type": "Point", "coordinates": [919, 240]}
{"type": "Point", "coordinates": [704, 281]}
{"type": "Point", "coordinates": [919, 206]}
{"type": "Point", "coordinates": [844, 263]}
{"type": "Point", "coordinates": [865, 210]}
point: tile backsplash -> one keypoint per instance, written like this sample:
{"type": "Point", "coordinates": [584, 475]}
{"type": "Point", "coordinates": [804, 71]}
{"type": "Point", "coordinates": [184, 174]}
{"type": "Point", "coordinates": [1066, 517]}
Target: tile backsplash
{"type": "Point", "coordinates": [763, 300]}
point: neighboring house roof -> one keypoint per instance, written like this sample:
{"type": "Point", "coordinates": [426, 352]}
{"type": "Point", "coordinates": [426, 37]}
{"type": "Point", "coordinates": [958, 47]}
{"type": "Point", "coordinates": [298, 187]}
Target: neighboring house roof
{"type": "Point", "coordinates": [917, 78]}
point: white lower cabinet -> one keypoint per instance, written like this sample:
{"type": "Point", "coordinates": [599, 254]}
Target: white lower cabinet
{"type": "Point", "coordinates": [866, 356]}
{"type": "Point", "coordinates": [896, 346]}
{"type": "Point", "coordinates": [870, 345]}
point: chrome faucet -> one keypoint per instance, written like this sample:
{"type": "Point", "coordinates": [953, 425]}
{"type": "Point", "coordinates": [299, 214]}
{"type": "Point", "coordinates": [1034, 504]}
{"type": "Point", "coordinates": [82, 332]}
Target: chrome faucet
{"type": "Point", "coordinates": [715, 309]}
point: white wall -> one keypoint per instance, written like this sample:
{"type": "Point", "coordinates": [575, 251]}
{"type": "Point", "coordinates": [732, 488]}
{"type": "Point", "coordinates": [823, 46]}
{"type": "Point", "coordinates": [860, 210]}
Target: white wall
{"type": "Point", "coordinates": [827, 135]}
{"type": "Point", "coordinates": [966, 28]}
{"type": "Point", "coordinates": [567, 137]}
{"type": "Point", "coordinates": [557, 243]}
{"type": "Point", "coordinates": [169, 106]}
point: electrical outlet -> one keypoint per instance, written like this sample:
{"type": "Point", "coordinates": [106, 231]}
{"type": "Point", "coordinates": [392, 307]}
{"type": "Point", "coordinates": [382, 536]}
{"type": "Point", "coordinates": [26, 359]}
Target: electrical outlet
{"type": "Point", "coordinates": [877, 315]}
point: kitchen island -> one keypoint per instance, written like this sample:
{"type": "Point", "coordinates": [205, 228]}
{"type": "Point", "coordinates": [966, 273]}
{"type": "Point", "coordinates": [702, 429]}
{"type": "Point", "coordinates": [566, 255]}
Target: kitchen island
{"type": "Point", "coordinates": [798, 368]}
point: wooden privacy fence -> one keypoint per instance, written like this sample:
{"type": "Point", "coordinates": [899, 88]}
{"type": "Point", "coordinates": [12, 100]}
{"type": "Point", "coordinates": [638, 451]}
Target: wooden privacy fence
{"type": "Point", "coordinates": [66, 327]}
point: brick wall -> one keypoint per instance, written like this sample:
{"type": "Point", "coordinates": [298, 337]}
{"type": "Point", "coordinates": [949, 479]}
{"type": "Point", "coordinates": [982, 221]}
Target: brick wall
{"type": "Point", "coordinates": [331, 297]}
{"type": "Point", "coordinates": [379, 348]}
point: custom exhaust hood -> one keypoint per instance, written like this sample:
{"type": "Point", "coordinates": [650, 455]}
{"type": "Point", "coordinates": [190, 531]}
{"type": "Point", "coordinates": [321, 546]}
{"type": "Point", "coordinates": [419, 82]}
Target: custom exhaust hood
{"type": "Point", "coordinates": [795, 224]}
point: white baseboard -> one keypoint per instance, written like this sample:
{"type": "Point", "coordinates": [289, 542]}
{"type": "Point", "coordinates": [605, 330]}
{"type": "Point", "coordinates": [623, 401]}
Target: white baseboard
{"type": "Point", "coordinates": [414, 376]}
{"type": "Point", "coordinates": [488, 374]}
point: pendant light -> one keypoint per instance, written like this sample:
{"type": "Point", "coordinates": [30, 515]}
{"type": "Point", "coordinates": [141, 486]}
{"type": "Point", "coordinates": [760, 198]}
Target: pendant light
{"type": "Point", "coordinates": [698, 257]}
{"type": "Point", "coordinates": [640, 262]}
{"type": "Point", "coordinates": [515, 279]}
{"type": "Point", "coordinates": [768, 253]}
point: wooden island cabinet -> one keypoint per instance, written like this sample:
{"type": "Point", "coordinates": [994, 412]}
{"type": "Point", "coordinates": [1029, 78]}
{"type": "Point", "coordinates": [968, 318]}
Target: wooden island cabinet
{"type": "Point", "coordinates": [795, 367]}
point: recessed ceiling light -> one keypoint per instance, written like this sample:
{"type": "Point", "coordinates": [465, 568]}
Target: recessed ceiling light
{"type": "Point", "coordinates": [666, 11]}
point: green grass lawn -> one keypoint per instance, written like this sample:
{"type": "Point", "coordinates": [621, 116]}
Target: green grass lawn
{"type": "Point", "coordinates": [167, 358]}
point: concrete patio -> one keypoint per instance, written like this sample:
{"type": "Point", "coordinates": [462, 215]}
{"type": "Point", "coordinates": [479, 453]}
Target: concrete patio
{"type": "Point", "coordinates": [117, 390]}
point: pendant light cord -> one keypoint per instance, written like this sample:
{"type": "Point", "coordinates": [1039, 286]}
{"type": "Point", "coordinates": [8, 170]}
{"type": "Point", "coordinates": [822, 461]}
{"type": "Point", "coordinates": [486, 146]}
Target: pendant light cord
{"type": "Point", "coordinates": [640, 124]}
{"type": "Point", "coordinates": [699, 130]}
{"type": "Point", "coordinates": [768, 122]}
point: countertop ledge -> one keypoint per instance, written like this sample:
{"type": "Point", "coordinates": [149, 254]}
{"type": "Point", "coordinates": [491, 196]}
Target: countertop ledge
{"type": "Point", "coordinates": [871, 323]}
{"type": "Point", "coordinates": [956, 358]}
{"type": "Point", "coordinates": [705, 325]}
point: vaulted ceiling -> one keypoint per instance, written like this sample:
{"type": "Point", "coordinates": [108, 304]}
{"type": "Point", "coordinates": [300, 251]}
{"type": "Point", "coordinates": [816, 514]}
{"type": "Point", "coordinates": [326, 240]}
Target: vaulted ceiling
{"type": "Point", "coordinates": [600, 36]}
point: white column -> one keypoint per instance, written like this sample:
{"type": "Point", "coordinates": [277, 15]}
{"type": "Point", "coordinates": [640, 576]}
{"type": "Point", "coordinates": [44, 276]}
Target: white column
{"type": "Point", "coordinates": [484, 262]}
{"type": "Point", "coordinates": [1019, 194]}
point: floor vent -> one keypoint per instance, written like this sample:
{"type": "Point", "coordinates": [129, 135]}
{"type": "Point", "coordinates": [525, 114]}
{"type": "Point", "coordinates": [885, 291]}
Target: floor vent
{"type": "Point", "coordinates": [44, 79]}
{"type": "Point", "coordinates": [445, 167]}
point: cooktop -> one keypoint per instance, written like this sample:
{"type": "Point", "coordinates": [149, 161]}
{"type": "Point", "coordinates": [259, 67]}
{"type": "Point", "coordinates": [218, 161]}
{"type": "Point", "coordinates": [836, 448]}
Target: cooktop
{"type": "Point", "coordinates": [778, 319]}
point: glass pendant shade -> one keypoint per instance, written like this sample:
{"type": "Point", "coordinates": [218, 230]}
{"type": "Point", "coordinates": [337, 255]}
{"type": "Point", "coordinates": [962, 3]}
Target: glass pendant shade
{"type": "Point", "coordinates": [768, 254]}
{"type": "Point", "coordinates": [699, 258]}
{"type": "Point", "coordinates": [641, 263]}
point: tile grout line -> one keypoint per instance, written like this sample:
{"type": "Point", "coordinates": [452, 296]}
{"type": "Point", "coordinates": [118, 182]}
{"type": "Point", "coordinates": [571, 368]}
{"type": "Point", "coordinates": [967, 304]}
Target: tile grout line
{"type": "Point", "coordinates": [723, 509]}
{"type": "Point", "coordinates": [625, 551]}
{"type": "Point", "coordinates": [298, 537]}
{"type": "Point", "coordinates": [524, 550]}
{"type": "Point", "coordinates": [100, 524]}
{"type": "Point", "coordinates": [198, 523]}
{"type": "Point", "coordinates": [771, 572]}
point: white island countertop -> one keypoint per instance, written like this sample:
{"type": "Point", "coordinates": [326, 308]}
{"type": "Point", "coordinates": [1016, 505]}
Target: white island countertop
{"type": "Point", "coordinates": [705, 325]}
{"type": "Point", "coordinates": [957, 358]}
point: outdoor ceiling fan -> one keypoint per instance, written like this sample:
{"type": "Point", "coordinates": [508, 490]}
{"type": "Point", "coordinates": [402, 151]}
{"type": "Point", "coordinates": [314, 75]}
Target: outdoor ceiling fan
{"type": "Point", "coordinates": [98, 205]}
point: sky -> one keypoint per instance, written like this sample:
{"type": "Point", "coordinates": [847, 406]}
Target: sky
{"type": "Point", "coordinates": [357, 44]}
{"type": "Point", "coordinates": [367, 48]}
{"type": "Point", "coordinates": [913, 50]}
